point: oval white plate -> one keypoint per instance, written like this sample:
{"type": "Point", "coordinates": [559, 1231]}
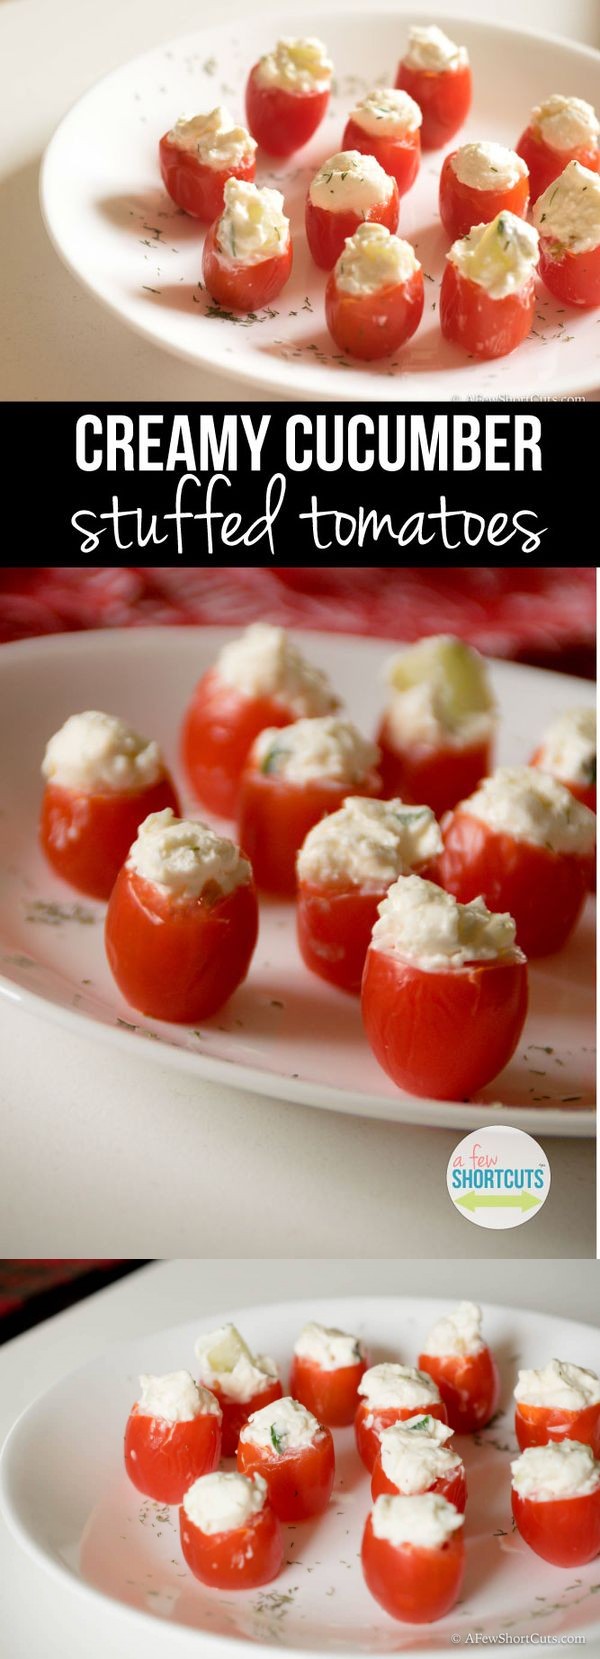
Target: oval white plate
{"type": "Point", "coordinates": [284, 1033]}
{"type": "Point", "coordinates": [117, 230]}
{"type": "Point", "coordinates": [69, 1501]}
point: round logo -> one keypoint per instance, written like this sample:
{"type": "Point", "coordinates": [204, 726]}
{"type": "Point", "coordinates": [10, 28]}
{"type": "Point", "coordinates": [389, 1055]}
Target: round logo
{"type": "Point", "coordinates": [498, 1177]}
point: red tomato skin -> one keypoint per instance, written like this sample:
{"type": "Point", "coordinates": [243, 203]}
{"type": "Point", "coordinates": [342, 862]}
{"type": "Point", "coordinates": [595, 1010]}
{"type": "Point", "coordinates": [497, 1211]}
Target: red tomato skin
{"type": "Point", "coordinates": [399, 157]}
{"type": "Point", "coordinates": [239, 287]}
{"type": "Point", "coordinates": [193, 186]}
{"type": "Point", "coordinates": [584, 792]}
{"type": "Point", "coordinates": [431, 777]}
{"type": "Point", "coordinates": [241, 1559]}
{"type": "Point", "coordinates": [275, 816]}
{"type": "Point", "coordinates": [461, 206]}
{"type": "Point", "coordinates": [237, 1412]}
{"type": "Point", "coordinates": [447, 1034]}
{"type": "Point", "coordinates": [413, 1584]}
{"type": "Point", "coordinates": [369, 326]}
{"type": "Point", "coordinates": [545, 164]}
{"type": "Point", "coordinates": [469, 1385]}
{"type": "Point", "coordinates": [299, 1483]}
{"type": "Point", "coordinates": [179, 961]}
{"type": "Point", "coordinates": [86, 837]}
{"type": "Point", "coordinates": [334, 927]}
{"type": "Point", "coordinates": [484, 327]}
{"type": "Point", "coordinates": [564, 1531]}
{"type": "Point", "coordinates": [538, 1425]}
{"type": "Point", "coordinates": [326, 231]}
{"type": "Point", "coordinates": [452, 1486]}
{"type": "Point", "coordinates": [573, 278]}
{"type": "Point", "coordinates": [332, 1396]}
{"type": "Point", "coordinates": [164, 1459]}
{"type": "Point", "coordinates": [282, 121]}
{"type": "Point", "coordinates": [444, 98]}
{"type": "Point", "coordinates": [219, 728]}
{"type": "Point", "coordinates": [544, 891]}
{"type": "Point", "coordinates": [367, 1435]}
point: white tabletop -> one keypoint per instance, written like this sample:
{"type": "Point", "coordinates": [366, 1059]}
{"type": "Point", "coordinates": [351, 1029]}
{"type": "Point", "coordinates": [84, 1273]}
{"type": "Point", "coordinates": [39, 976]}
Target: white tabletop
{"type": "Point", "coordinates": [57, 341]}
{"type": "Point", "coordinates": [42, 1620]}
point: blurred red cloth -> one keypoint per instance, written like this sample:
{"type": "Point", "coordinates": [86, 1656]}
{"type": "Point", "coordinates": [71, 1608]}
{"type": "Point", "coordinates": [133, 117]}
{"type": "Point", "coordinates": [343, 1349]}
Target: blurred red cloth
{"type": "Point", "coordinates": [21, 1278]}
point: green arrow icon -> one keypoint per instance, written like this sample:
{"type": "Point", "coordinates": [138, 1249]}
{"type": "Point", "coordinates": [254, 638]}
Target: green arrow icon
{"type": "Point", "coordinates": [499, 1200]}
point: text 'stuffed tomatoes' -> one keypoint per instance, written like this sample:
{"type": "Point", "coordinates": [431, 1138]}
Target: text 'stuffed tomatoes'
{"type": "Point", "coordinates": [230, 1536]}
{"type": "Point", "coordinates": [567, 217]}
{"type": "Point", "coordinates": [527, 845]}
{"type": "Point", "coordinates": [292, 779]}
{"type": "Point", "coordinates": [247, 255]}
{"type": "Point", "coordinates": [294, 1453]}
{"type": "Point", "coordinates": [568, 752]}
{"type": "Point", "coordinates": [344, 869]}
{"type": "Point", "coordinates": [558, 1402]}
{"type": "Point", "coordinates": [182, 921]}
{"type": "Point", "coordinates": [198, 156]}
{"type": "Point", "coordinates": [437, 731]}
{"type": "Point", "coordinates": [556, 1502]}
{"type": "Point", "coordinates": [487, 298]}
{"type": "Point", "coordinates": [386, 124]}
{"type": "Point", "coordinates": [464, 1369]}
{"type": "Point", "coordinates": [102, 780]}
{"type": "Point", "coordinates": [287, 94]}
{"type": "Point", "coordinates": [348, 190]}
{"type": "Point", "coordinates": [444, 991]}
{"type": "Point", "coordinates": [437, 75]}
{"type": "Point", "coordinates": [258, 680]}
{"type": "Point", "coordinates": [478, 182]}
{"type": "Point", "coordinates": [413, 1556]}
{"type": "Point", "coordinates": [241, 1381]}
{"type": "Point", "coordinates": [374, 296]}
{"type": "Point", "coordinates": [173, 1435]}
{"type": "Point", "coordinates": [327, 1367]}
{"type": "Point", "coordinates": [391, 1393]}
{"type": "Point", "coordinates": [413, 1457]}
{"type": "Point", "coordinates": [559, 131]}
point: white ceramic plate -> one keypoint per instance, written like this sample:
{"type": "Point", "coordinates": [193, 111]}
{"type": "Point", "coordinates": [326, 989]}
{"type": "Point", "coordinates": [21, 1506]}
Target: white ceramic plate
{"type": "Point", "coordinates": [285, 1032]}
{"type": "Point", "coordinates": [70, 1503]}
{"type": "Point", "coordinates": [117, 230]}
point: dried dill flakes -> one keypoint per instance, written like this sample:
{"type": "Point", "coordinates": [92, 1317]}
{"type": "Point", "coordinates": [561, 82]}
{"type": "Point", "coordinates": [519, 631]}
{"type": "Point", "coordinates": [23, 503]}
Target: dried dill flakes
{"type": "Point", "coordinates": [54, 914]}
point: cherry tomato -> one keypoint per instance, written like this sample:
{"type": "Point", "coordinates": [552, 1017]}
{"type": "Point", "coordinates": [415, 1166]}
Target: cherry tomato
{"type": "Point", "coordinates": [240, 1559]}
{"type": "Point", "coordinates": [564, 1531]}
{"type": "Point", "coordinates": [86, 837]}
{"type": "Point", "coordinates": [400, 157]}
{"type": "Point", "coordinates": [544, 891]}
{"type": "Point", "coordinates": [219, 728]}
{"type": "Point", "coordinates": [483, 326]}
{"type": "Point", "coordinates": [469, 1385]}
{"type": "Point", "coordinates": [413, 1584]}
{"type": "Point", "coordinates": [462, 206]}
{"type": "Point", "coordinates": [546, 164]}
{"type": "Point", "coordinates": [444, 96]}
{"type": "Point", "coordinates": [179, 960]}
{"type": "Point", "coordinates": [239, 287]}
{"type": "Point", "coordinates": [374, 325]}
{"type": "Point", "coordinates": [584, 792]}
{"type": "Point", "coordinates": [237, 1412]}
{"type": "Point", "coordinates": [452, 1486]}
{"type": "Point", "coordinates": [537, 1425]}
{"type": "Point", "coordinates": [370, 1422]}
{"type": "Point", "coordinates": [163, 1459]}
{"type": "Point", "coordinates": [193, 185]}
{"type": "Point", "coordinates": [275, 816]}
{"type": "Point", "coordinates": [573, 278]}
{"type": "Point", "coordinates": [327, 230]}
{"type": "Point", "coordinates": [283, 121]}
{"type": "Point", "coordinates": [334, 928]}
{"type": "Point", "coordinates": [331, 1395]}
{"type": "Point", "coordinates": [431, 777]}
{"type": "Point", "coordinates": [300, 1483]}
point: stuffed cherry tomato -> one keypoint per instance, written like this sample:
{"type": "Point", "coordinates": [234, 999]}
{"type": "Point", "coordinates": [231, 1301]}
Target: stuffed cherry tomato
{"type": "Point", "coordinates": [198, 156]}
{"type": "Point", "coordinates": [524, 843]}
{"type": "Point", "coordinates": [391, 1393]}
{"type": "Point", "coordinates": [292, 779]}
{"type": "Point", "coordinates": [567, 217]}
{"type": "Point", "coordinates": [385, 124]}
{"type": "Point", "coordinates": [348, 189]}
{"type": "Point", "coordinates": [444, 991]}
{"type": "Point", "coordinates": [247, 256]}
{"type": "Point", "coordinates": [102, 780]}
{"type": "Point", "coordinates": [242, 1382]}
{"type": "Point", "coordinates": [287, 95]}
{"type": "Point", "coordinates": [558, 1402]}
{"type": "Point", "coordinates": [464, 1369]}
{"type": "Point", "coordinates": [487, 298]}
{"type": "Point", "coordinates": [374, 296]}
{"type": "Point", "coordinates": [560, 130]}
{"type": "Point", "coordinates": [568, 752]}
{"type": "Point", "coordinates": [344, 869]}
{"type": "Point", "coordinates": [414, 1458]}
{"type": "Point", "coordinates": [437, 75]}
{"type": "Point", "coordinates": [173, 1435]}
{"type": "Point", "coordinates": [437, 731]}
{"type": "Point", "coordinates": [478, 182]}
{"type": "Point", "coordinates": [294, 1453]}
{"type": "Point", "coordinates": [327, 1367]}
{"type": "Point", "coordinates": [182, 921]}
{"type": "Point", "coordinates": [413, 1556]}
{"type": "Point", "coordinates": [556, 1502]}
{"type": "Point", "coordinates": [230, 1536]}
